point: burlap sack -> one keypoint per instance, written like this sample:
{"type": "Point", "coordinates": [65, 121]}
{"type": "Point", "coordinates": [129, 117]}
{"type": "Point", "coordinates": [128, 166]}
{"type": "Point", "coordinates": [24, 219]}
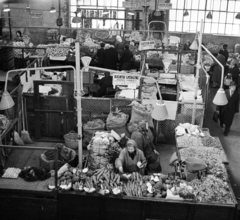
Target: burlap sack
{"type": "Point", "coordinates": [138, 115]}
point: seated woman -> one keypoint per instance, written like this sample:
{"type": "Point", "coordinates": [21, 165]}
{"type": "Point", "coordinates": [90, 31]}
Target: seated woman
{"type": "Point", "coordinates": [131, 159]}
{"type": "Point", "coordinates": [144, 139]}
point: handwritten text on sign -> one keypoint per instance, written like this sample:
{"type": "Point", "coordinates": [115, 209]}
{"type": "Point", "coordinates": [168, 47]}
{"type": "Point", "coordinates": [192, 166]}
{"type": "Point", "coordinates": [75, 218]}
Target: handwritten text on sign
{"type": "Point", "coordinates": [125, 80]}
{"type": "Point", "coordinates": [146, 45]}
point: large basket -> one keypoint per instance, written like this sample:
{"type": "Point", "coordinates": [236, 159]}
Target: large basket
{"type": "Point", "coordinates": [47, 158]}
{"type": "Point", "coordinates": [71, 139]}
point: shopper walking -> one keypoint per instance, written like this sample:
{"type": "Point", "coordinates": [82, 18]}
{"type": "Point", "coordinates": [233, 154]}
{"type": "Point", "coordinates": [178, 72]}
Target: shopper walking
{"type": "Point", "coordinates": [233, 69]}
{"type": "Point", "coordinates": [126, 59]}
{"type": "Point", "coordinates": [225, 52]}
{"type": "Point", "coordinates": [226, 112]}
{"type": "Point", "coordinates": [217, 70]}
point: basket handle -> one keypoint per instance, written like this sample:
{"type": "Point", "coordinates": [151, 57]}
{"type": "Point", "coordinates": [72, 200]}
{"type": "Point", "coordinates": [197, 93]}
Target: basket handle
{"type": "Point", "coordinates": [72, 131]}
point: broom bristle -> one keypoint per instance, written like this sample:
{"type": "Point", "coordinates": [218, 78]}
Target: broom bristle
{"type": "Point", "coordinates": [25, 137]}
{"type": "Point", "coordinates": [17, 139]}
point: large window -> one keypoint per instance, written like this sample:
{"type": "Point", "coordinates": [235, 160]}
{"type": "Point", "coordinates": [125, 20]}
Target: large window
{"type": "Point", "coordinates": [92, 13]}
{"type": "Point", "coordinates": [223, 16]}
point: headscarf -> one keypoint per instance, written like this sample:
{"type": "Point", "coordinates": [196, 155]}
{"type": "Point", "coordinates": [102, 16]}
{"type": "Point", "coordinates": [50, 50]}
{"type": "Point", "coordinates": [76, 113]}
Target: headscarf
{"type": "Point", "coordinates": [118, 38]}
{"type": "Point", "coordinates": [132, 143]}
{"type": "Point", "coordinates": [107, 46]}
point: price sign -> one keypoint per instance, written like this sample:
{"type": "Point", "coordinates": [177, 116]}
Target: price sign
{"type": "Point", "coordinates": [164, 6]}
{"type": "Point", "coordinates": [146, 45]}
{"type": "Point", "coordinates": [137, 5]}
{"type": "Point", "coordinates": [122, 80]}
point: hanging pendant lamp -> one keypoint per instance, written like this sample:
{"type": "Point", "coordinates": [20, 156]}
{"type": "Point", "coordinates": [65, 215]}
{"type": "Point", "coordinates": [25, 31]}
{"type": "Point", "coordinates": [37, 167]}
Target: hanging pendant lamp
{"type": "Point", "coordinates": [209, 15]}
{"type": "Point", "coordinates": [238, 15]}
{"type": "Point", "coordinates": [28, 7]}
{"type": "Point", "coordinates": [157, 13]}
{"type": "Point", "coordinates": [185, 13]}
{"type": "Point", "coordinates": [160, 112]}
{"type": "Point", "coordinates": [53, 9]}
{"type": "Point", "coordinates": [6, 8]}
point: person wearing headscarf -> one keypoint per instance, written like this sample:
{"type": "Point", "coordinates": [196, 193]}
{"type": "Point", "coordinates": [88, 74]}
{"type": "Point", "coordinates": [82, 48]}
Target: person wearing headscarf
{"type": "Point", "coordinates": [110, 57]}
{"type": "Point", "coordinates": [131, 159]}
{"type": "Point", "coordinates": [227, 112]}
{"type": "Point", "coordinates": [233, 69]}
{"type": "Point", "coordinates": [187, 45]}
{"type": "Point", "coordinates": [144, 139]}
{"type": "Point", "coordinates": [126, 59]}
{"type": "Point", "coordinates": [217, 70]}
{"type": "Point", "coordinates": [19, 37]}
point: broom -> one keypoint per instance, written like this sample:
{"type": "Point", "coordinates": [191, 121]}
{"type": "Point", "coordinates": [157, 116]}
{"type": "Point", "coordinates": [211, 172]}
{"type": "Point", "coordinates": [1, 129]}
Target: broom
{"type": "Point", "coordinates": [17, 139]}
{"type": "Point", "coordinates": [24, 134]}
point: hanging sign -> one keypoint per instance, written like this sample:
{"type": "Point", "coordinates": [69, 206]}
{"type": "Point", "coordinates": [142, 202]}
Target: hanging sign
{"type": "Point", "coordinates": [146, 45]}
{"type": "Point", "coordinates": [137, 5]}
{"type": "Point", "coordinates": [164, 6]}
{"type": "Point", "coordinates": [122, 80]}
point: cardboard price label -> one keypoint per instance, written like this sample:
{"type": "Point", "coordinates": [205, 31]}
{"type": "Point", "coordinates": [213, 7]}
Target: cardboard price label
{"type": "Point", "coordinates": [130, 81]}
{"type": "Point", "coordinates": [146, 45]}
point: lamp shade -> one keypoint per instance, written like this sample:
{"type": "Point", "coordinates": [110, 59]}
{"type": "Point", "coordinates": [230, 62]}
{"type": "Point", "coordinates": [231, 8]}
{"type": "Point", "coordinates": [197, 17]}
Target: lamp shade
{"type": "Point", "coordinates": [26, 31]}
{"type": "Point", "coordinates": [53, 9]}
{"type": "Point", "coordinates": [160, 112]}
{"type": "Point", "coordinates": [6, 9]}
{"type": "Point", "coordinates": [76, 20]}
{"type": "Point", "coordinates": [220, 98]}
{"type": "Point", "coordinates": [6, 101]}
{"type": "Point", "coordinates": [157, 13]}
{"type": "Point", "coordinates": [185, 13]}
{"type": "Point", "coordinates": [165, 40]}
{"type": "Point", "coordinates": [131, 12]}
{"type": "Point", "coordinates": [194, 45]}
{"type": "Point", "coordinates": [209, 15]}
{"type": "Point", "coordinates": [238, 15]}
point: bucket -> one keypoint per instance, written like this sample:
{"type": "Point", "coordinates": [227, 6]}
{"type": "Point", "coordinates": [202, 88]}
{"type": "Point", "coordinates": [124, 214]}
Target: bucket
{"type": "Point", "coordinates": [195, 164]}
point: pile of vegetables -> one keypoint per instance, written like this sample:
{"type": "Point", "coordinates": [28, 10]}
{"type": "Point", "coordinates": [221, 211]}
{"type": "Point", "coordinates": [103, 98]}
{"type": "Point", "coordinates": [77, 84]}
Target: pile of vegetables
{"type": "Point", "coordinates": [103, 150]}
{"type": "Point", "coordinates": [41, 52]}
{"type": "Point", "coordinates": [211, 189]}
{"type": "Point", "coordinates": [213, 48]}
{"type": "Point", "coordinates": [57, 50]}
{"type": "Point", "coordinates": [188, 128]}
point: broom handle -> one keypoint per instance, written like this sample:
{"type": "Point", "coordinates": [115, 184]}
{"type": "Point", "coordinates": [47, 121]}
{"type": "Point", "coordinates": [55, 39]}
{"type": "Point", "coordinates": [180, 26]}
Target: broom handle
{"type": "Point", "coordinates": [23, 122]}
{"type": "Point", "coordinates": [25, 112]}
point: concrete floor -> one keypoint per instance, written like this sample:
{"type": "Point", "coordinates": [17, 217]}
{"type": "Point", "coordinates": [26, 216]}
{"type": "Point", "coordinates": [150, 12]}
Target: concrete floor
{"type": "Point", "coordinates": [230, 143]}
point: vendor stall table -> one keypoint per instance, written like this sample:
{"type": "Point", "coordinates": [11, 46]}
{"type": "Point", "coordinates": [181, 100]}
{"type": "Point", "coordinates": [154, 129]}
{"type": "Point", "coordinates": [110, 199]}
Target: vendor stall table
{"type": "Point", "coordinates": [83, 206]}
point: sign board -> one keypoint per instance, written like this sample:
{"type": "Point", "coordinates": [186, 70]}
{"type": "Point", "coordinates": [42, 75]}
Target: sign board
{"type": "Point", "coordinates": [164, 6]}
{"type": "Point", "coordinates": [122, 80]}
{"type": "Point", "coordinates": [137, 5]}
{"type": "Point", "coordinates": [146, 45]}
{"type": "Point", "coordinates": [35, 15]}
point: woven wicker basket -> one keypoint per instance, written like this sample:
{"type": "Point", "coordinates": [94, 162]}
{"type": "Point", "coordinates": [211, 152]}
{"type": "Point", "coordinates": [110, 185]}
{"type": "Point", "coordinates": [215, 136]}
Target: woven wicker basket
{"type": "Point", "coordinates": [48, 164]}
{"type": "Point", "coordinates": [71, 139]}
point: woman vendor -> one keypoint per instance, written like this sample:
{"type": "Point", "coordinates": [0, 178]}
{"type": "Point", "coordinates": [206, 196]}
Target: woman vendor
{"type": "Point", "coordinates": [18, 37]}
{"type": "Point", "coordinates": [144, 139]}
{"type": "Point", "coordinates": [131, 159]}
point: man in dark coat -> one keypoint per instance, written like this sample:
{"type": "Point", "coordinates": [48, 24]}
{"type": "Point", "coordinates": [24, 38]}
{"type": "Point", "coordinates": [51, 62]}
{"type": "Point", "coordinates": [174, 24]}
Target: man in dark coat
{"type": "Point", "coordinates": [111, 58]}
{"type": "Point", "coordinates": [225, 52]}
{"type": "Point", "coordinates": [126, 59]}
{"type": "Point", "coordinates": [226, 112]}
{"type": "Point", "coordinates": [234, 70]}
{"type": "Point", "coordinates": [105, 82]}
{"type": "Point", "coordinates": [101, 55]}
